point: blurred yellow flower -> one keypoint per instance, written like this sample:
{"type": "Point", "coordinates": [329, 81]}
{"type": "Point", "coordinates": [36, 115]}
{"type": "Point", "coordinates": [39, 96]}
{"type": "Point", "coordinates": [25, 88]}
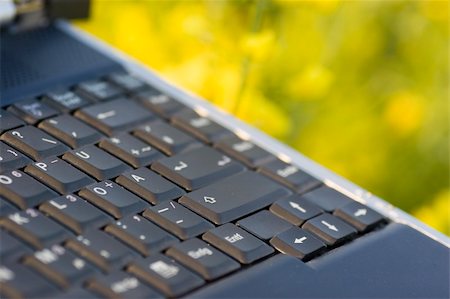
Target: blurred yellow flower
{"type": "Point", "coordinates": [259, 45]}
{"type": "Point", "coordinates": [312, 83]}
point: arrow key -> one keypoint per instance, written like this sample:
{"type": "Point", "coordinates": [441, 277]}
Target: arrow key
{"type": "Point", "coordinates": [295, 209]}
{"type": "Point", "coordinates": [330, 229]}
{"type": "Point", "coordinates": [360, 216]}
{"type": "Point", "coordinates": [298, 242]}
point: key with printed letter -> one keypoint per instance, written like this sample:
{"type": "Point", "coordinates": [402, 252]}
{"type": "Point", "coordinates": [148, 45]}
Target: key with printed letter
{"type": "Point", "coordinates": [197, 168]}
{"type": "Point", "coordinates": [330, 229]}
{"type": "Point", "coordinates": [159, 103]}
{"type": "Point", "coordinates": [11, 249]}
{"type": "Point", "coordinates": [32, 110]}
{"type": "Point", "coordinates": [98, 90]}
{"type": "Point", "coordinates": [11, 158]}
{"type": "Point", "coordinates": [126, 82]}
{"type": "Point", "coordinates": [64, 100]}
{"type": "Point", "coordinates": [6, 207]}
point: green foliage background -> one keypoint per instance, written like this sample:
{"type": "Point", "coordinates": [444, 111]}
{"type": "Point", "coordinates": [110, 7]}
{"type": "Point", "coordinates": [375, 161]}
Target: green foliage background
{"type": "Point", "coordinates": [359, 86]}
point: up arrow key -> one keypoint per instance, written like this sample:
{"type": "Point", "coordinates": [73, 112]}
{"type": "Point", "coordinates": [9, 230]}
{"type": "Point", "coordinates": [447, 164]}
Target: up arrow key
{"type": "Point", "coordinates": [360, 212]}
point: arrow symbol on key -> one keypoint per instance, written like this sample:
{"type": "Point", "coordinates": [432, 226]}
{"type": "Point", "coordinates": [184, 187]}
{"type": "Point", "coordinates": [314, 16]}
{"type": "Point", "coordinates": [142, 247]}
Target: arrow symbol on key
{"type": "Point", "coordinates": [181, 165]}
{"type": "Point", "coordinates": [300, 241]}
{"type": "Point", "coordinates": [360, 212]}
{"type": "Point", "coordinates": [296, 206]}
{"type": "Point", "coordinates": [209, 199]}
{"type": "Point", "coordinates": [330, 226]}
{"type": "Point", "coordinates": [106, 114]}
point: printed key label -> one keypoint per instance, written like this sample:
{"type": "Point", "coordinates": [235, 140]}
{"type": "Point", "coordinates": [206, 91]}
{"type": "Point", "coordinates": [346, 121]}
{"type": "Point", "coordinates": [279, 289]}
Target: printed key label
{"type": "Point", "coordinates": [199, 253]}
{"type": "Point", "coordinates": [164, 270]}
{"type": "Point", "coordinates": [234, 238]}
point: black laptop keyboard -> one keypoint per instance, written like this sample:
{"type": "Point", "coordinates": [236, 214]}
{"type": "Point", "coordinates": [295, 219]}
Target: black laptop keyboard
{"type": "Point", "coordinates": [113, 189]}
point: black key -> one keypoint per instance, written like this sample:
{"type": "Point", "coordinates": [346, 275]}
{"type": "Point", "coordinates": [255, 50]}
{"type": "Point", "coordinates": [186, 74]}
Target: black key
{"type": "Point", "coordinates": [177, 219]}
{"type": "Point", "coordinates": [100, 249]}
{"type": "Point", "coordinates": [98, 90]}
{"type": "Point", "coordinates": [264, 224]}
{"type": "Point", "coordinates": [59, 175]}
{"type": "Point", "coordinates": [166, 138]}
{"type": "Point", "coordinates": [236, 242]}
{"type": "Point", "coordinates": [140, 234]}
{"type": "Point", "coordinates": [126, 82]}
{"type": "Point", "coordinates": [6, 208]}
{"type": "Point", "coordinates": [59, 265]}
{"type": "Point", "coordinates": [234, 197]}
{"type": "Point", "coordinates": [131, 150]}
{"type": "Point", "coordinates": [32, 110]}
{"type": "Point", "coordinates": [209, 262]}
{"type": "Point", "coordinates": [197, 168]}
{"type": "Point", "coordinates": [295, 209]}
{"type": "Point", "coordinates": [96, 162]}
{"type": "Point", "coordinates": [17, 281]}
{"type": "Point", "coordinates": [359, 216]}
{"type": "Point", "coordinates": [121, 285]}
{"type": "Point", "coordinates": [34, 228]}
{"type": "Point", "coordinates": [200, 126]}
{"type": "Point", "coordinates": [299, 243]}
{"type": "Point", "coordinates": [244, 151]}
{"type": "Point", "coordinates": [114, 116]}
{"type": "Point", "coordinates": [11, 249]}
{"type": "Point", "coordinates": [11, 158]}
{"type": "Point", "coordinates": [149, 185]}
{"type": "Point", "coordinates": [75, 213]}
{"type": "Point", "coordinates": [9, 121]}
{"type": "Point", "coordinates": [77, 293]}
{"type": "Point", "coordinates": [326, 198]}
{"type": "Point", "coordinates": [330, 229]}
{"type": "Point", "coordinates": [64, 100]}
{"type": "Point", "coordinates": [113, 199]}
{"type": "Point", "coordinates": [159, 103]}
{"type": "Point", "coordinates": [290, 176]}
{"type": "Point", "coordinates": [23, 190]}
{"type": "Point", "coordinates": [166, 275]}
{"type": "Point", "coordinates": [34, 142]}
{"type": "Point", "coordinates": [70, 130]}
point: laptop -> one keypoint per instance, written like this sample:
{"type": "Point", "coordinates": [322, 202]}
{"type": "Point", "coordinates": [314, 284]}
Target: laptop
{"type": "Point", "coordinates": [116, 184]}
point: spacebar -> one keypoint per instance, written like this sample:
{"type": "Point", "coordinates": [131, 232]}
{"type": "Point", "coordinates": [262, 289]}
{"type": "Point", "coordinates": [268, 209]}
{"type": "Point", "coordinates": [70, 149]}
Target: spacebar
{"type": "Point", "coordinates": [234, 197]}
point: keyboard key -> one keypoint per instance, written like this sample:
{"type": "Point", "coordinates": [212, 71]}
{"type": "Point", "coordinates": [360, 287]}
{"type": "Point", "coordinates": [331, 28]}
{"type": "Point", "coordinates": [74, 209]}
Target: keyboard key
{"type": "Point", "coordinates": [299, 243]}
{"type": "Point", "coordinates": [6, 208]}
{"type": "Point", "coordinates": [159, 103]}
{"type": "Point", "coordinates": [114, 116]}
{"type": "Point", "coordinates": [131, 150]}
{"type": "Point", "coordinates": [23, 190]}
{"type": "Point", "coordinates": [98, 90]}
{"type": "Point", "coordinates": [326, 198]}
{"type": "Point", "coordinates": [209, 262]}
{"type": "Point", "coordinates": [237, 243]}
{"type": "Point", "coordinates": [264, 225]}
{"type": "Point", "coordinates": [165, 275]}
{"type": "Point", "coordinates": [59, 175]}
{"type": "Point", "coordinates": [17, 281]}
{"type": "Point", "coordinates": [96, 162]}
{"type": "Point", "coordinates": [177, 219]}
{"type": "Point", "coordinates": [295, 209]}
{"type": "Point", "coordinates": [32, 110]}
{"type": "Point", "coordinates": [289, 175]}
{"type": "Point", "coordinates": [359, 216]}
{"type": "Point", "coordinates": [9, 121]}
{"type": "Point", "coordinates": [59, 265]}
{"type": "Point", "coordinates": [64, 100]}
{"type": "Point", "coordinates": [121, 285]}
{"type": "Point", "coordinates": [11, 158]}
{"type": "Point", "coordinates": [166, 138]}
{"type": "Point", "coordinates": [140, 234]}
{"type": "Point", "coordinates": [197, 168]}
{"type": "Point", "coordinates": [200, 126]}
{"type": "Point", "coordinates": [249, 193]}
{"type": "Point", "coordinates": [244, 151]}
{"type": "Point", "coordinates": [34, 228]}
{"type": "Point", "coordinates": [11, 249]}
{"type": "Point", "coordinates": [126, 82]}
{"type": "Point", "coordinates": [70, 130]}
{"type": "Point", "coordinates": [149, 185]}
{"type": "Point", "coordinates": [113, 199]}
{"type": "Point", "coordinates": [75, 213]}
{"type": "Point", "coordinates": [330, 229]}
{"type": "Point", "coordinates": [100, 249]}
{"type": "Point", "coordinates": [34, 142]}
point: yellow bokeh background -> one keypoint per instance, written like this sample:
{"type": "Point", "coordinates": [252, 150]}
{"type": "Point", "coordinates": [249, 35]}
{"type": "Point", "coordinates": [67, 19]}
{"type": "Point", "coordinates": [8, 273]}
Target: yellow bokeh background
{"type": "Point", "coordinates": [359, 86]}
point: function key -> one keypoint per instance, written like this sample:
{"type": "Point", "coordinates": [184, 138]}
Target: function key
{"type": "Point", "coordinates": [126, 82]}
{"type": "Point", "coordinates": [326, 198]}
{"type": "Point", "coordinates": [237, 243]}
{"type": "Point", "coordinates": [264, 224]}
{"type": "Point", "coordinates": [299, 243]}
{"type": "Point", "coordinates": [65, 100]}
{"type": "Point", "coordinates": [204, 259]}
{"type": "Point", "coordinates": [289, 175]}
{"type": "Point", "coordinates": [11, 158]}
{"type": "Point", "coordinates": [34, 142]}
{"type": "Point", "coordinates": [197, 168]}
{"type": "Point", "coordinates": [98, 90]}
{"type": "Point", "coordinates": [330, 229]}
{"type": "Point", "coordinates": [159, 103]}
{"type": "Point", "coordinates": [200, 126]}
{"type": "Point", "coordinates": [70, 130]}
{"type": "Point", "coordinates": [360, 216]}
{"type": "Point", "coordinates": [9, 121]}
{"type": "Point", "coordinates": [244, 151]}
{"type": "Point", "coordinates": [32, 110]}
{"type": "Point", "coordinates": [295, 209]}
